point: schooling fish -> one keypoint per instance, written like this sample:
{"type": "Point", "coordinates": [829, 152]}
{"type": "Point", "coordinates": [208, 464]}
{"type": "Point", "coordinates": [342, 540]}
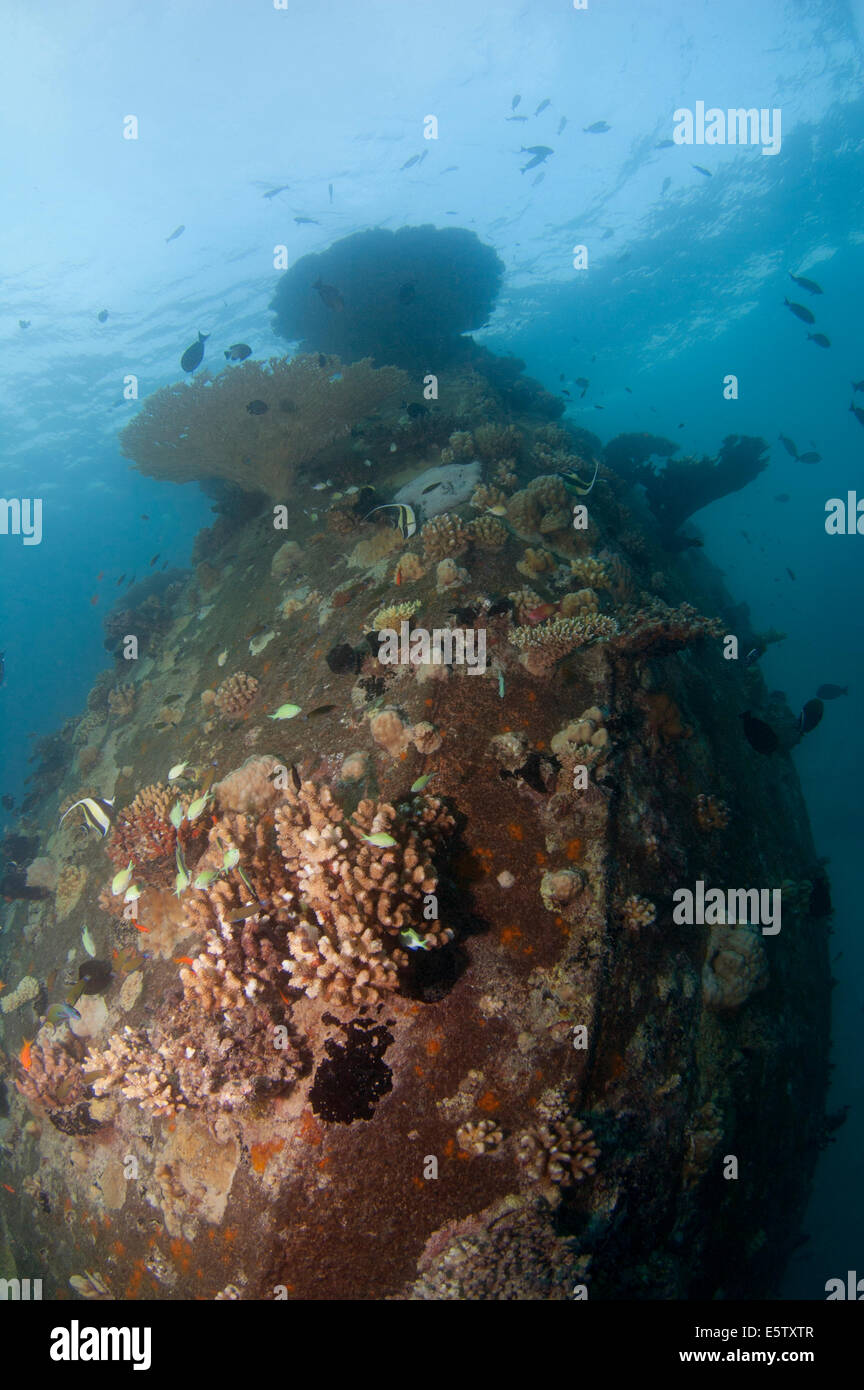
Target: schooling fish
{"type": "Point", "coordinates": [285, 712]}
{"type": "Point", "coordinates": [858, 385]}
{"type": "Point", "coordinates": [271, 192]}
{"type": "Point", "coordinates": [380, 839]}
{"type": "Point", "coordinates": [707, 172]}
{"type": "Point", "coordinates": [832, 692]}
{"type": "Point", "coordinates": [810, 715]}
{"type": "Point", "coordinates": [98, 812]}
{"type": "Point", "coordinates": [759, 734]}
{"type": "Point", "coordinates": [303, 221]}
{"type": "Point", "coordinates": [598, 128]}
{"type": "Point", "coordinates": [409, 164]}
{"type": "Point", "coordinates": [542, 107]}
{"type": "Point", "coordinates": [238, 352]}
{"type": "Point", "coordinates": [257, 407]}
{"type": "Point", "coordinates": [800, 311]}
{"type": "Point", "coordinates": [193, 355]}
{"type": "Point", "coordinates": [102, 316]}
{"type": "Point", "coordinates": [811, 457]}
{"type": "Point", "coordinates": [858, 413]}
{"type": "Point", "coordinates": [805, 284]}
{"type": "Point", "coordinates": [664, 144]}
{"type": "Point", "coordinates": [819, 339]}
{"type": "Point", "coordinates": [515, 102]}
{"type": "Point", "coordinates": [329, 295]}
{"type": "Point", "coordinates": [178, 231]}
{"type": "Point", "coordinates": [789, 445]}
{"type": "Point", "coordinates": [667, 183]}
{"type": "Point", "coordinates": [782, 497]}
{"type": "Point", "coordinates": [561, 124]}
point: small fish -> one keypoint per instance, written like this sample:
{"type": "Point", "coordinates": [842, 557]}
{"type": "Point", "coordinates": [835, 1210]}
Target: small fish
{"type": "Point", "coordinates": [197, 806]}
{"type": "Point", "coordinates": [499, 608]}
{"type": "Point", "coordinates": [285, 712]}
{"type": "Point", "coordinates": [819, 339]}
{"type": "Point", "coordinates": [24, 323]}
{"type": "Point", "coordinates": [87, 942]}
{"type": "Point", "coordinates": [498, 510]}
{"type": "Point", "coordinates": [330, 191]}
{"type": "Point", "coordinates": [858, 413]}
{"type": "Point", "coordinates": [97, 813]}
{"type": "Point", "coordinates": [24, 1056]}
{"type": "Point", "coordinates": [542, 107]}
{"type": "Point", "coordinates": [120, 580]}
{"type": "Point", "coordinates": [238, 352]}
{"type": "Point", "coordinates": [422, 782]}
{"type": "Point", "coordinates": [810, 715]}
{"type": "Point", "coordinates": [8, 802]}
{"type": "Point", "coordinates": [321, 709]}
{"type": "Point", "coordinates": [102, 316]}
{"type": "Point", "coordinates": [759, 734]}
{"type": "Point", "coordinates": [193, 355]}
{"type": "Point", "coordinates": [416, 410]}
{"type": "Point", "coordinates": [667, 183]}
{"type": "Point", "coordinates": [561, 124]}
{"type": "Point", "coordinates": [788, 445]}
{"type": "Point", "coordinates": [664, 144]}
{"type": "Point", "coordinates": [380, 839]}
{"type": "Point", "coordinates": [574, 483]}
{"type": "Point", "coordinates": [132, 894]}
{"type": "Point", "coordinates": [257, 407]}
{"type": "Point", "coordinates": [409, 164]}
{"type": "Point", "coordinates": [413, 940]}
{"type": "Point", "coordinates": [303, 221]}
{"type": "Point", "coordinates": [231, 859]}
{"type": "Point", "coordinates": [61, 1013]}
{"type": "Point", "coordinates": [406, 517]}
{"type": "Point", "coordinates": [800, 311]}
{"type": "Point", "coordinates": [501, 685]}
{"type": "Point", "coordinates": [753, 656]}
{"type": "Point", "coordinates": [516, 118]}
{"type": "Point", "coordinates": [176, 815]}
{"type": "Point", "coordinates": [541, 613]}
{"type": "Point", "coordinates": [205, 878]}
{"type": "Point", "coordinates": [430, 488]}
{"type": "Point", "coordinates": [789, 572]}
{"type": "Point", "coordinates": [699, 169]}
{"type": "Point", "coordinates": [178, 231]}
{"type": "Point", "coordinates": [329, 295]}
{"type": "Point", "coordinates": [832, 692]}
{"type": "Point", "coordinates": [811, 457]}
{"type": "Point", "coordinates": [598, 128]}
{"type": "Point", "coordinates": [343, 658]}
{"type": "Point", "coordinates": [515, 102]}
{"type": "Point", "coordinates": [271, 192]}
{"type": "Point", "coordinates": [858, 385]}
{"type": "Point", "coordinates": [583, 382]}
{"type": "Point", "coordinates": [809, 285]}
{"type": "Point", "coordinates": [782, 497]}
{"type": "Point", "coordinates": [222, 657]}
{"type": "Point", "coordinates": [120, 882]}
{"type": "Point", "coordinates": [177, 771]}
{"type": "Point", "coordinates": [295, 777]}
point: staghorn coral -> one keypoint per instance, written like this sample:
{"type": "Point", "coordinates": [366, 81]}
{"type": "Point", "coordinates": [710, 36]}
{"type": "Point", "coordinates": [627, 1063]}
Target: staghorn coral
{"type": "Point", "coordinates": [711, 813]}
{"type": "Point", "coordinates": [540, 508]}
{"type": "Point", "coordinates": [488, 533]}
{"type": "Point", "coordinates": [121, 700]}
{"type": "Point", "coordinates": [557, 1154]}
{"type": "Point", "coordinates": [202, 429]}
{"type": "Point", "coordinates": [479, 1137]}
{"type": "Point", "coordinates": [638, 912]}
{"type": "Point", "coordinates": [735, 967]}
{"type": "Point", "coordinates": [543, 646]}
{"type": "Point", "coordinates": [445, 536]}
{"type": "Point", "coordinates": [133, 1066]}
{"type": "Point", "coordinates": [358, 898]}
{"type": "Point", "coordinates": [70, 885]}
{"type": "Point", "coordinates": [236, 694]}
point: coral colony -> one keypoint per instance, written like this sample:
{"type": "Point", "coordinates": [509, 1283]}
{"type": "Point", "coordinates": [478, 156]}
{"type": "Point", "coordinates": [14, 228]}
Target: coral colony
{"type": "Point", "coordinates": [408, 832]}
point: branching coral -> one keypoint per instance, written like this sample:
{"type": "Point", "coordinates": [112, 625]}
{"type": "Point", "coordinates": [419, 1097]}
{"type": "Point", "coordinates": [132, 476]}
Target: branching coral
{"type": "Point", "coordinates": [486, 496]}
{"type": "Point", "coordinates": [54, 1081]}
{"type": "Point", "coordinates": [541, 508]}
{"type": "Point", "coordinates": [479, 1136]}
{"type": "Point", "coordinates": [543, 646]}
{"type": "Point", "coordinates": [203, 429]}
{"type": "Point", "coordinates": [557, 1154]}
{"type": "Point", "coordinates": [392, 615]}
{"type": "Point", "coordinates": [659, 629]}
{"type": "Point", "coordinates": [711, 813]}
{"type": "Point", "coordinates": [582, 601]}
{"type": "Point", "coordinates": [445, 535]}
{"type": "Point", "coordinates": [535, 562]}
{"type": "Point", "coordinates": [488, 533]}
{"type": "Point", "coordinates": [638, 912]}
{"type": "Point", "coordinates": [143, 832]}
{"type": "Point", "coordinates": [236, 694]}
{"type": "Point", "coordinates": [590, 571]}
{"type": "Point", "coordinates": [582, 743]}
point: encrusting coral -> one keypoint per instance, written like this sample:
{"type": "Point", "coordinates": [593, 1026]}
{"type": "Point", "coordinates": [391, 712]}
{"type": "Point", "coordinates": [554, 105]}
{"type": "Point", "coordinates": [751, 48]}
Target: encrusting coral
{"type": "Point", "coordinates": [203, 429]}
{"type": "Point", "coordinates": [735, 967]}
{"type": "Point", "coordinates": [70, 885]}
{"type": "Point", "coordinates": [121, 700]}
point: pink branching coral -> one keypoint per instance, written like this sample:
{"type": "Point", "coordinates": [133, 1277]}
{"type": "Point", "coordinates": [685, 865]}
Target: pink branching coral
{"type": "Point", "coordinates": [558, 1153]}
{"type": "Point", "coordinates": [544, 646]}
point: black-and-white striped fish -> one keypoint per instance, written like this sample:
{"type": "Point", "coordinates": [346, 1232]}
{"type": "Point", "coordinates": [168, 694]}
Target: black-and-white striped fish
{"type": "Point", "coordinates": [98, 812]}
{"type": "Point", "coordinates": [406, 517]}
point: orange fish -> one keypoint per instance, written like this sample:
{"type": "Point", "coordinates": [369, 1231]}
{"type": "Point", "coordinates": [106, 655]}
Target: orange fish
{"type": "Point", "coordinates": [2, 986]}
{"type": "Point", "coordinates": [398, 575]}
{"type": "Point", "coordinates": [100, 576]}
{"type": "Point", "coordinates": [9, 1189]}
{"type": "Point", "coordinates": [183, 960]}
{"type": "Point", "coordinates": [95, 598]}
{"type": "Point", "coordinates": [24, 1056]}
{"type": "Point", "coordinates": [138, 927]}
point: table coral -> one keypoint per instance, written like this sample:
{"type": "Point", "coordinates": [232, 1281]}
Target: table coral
{"type": "Point", "coordinates": [543, 646]}
{"type": "Point", "coordinates": [202, 429]}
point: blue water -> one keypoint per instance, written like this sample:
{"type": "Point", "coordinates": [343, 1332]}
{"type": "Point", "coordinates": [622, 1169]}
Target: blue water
{"type": "Point", "coordinates": [235, 99]}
